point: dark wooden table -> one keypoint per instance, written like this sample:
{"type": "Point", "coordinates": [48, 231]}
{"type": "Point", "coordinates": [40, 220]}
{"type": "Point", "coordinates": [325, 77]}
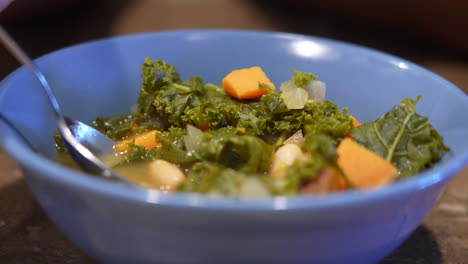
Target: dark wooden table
{"type": "Point", "coordinates": [28, 236]}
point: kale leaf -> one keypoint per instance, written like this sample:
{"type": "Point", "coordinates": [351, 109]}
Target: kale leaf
{"type": "Point", "coordinates": [244, 153]}
{"type": "Point", "coordinates": [172, 149]}
{"type": "Point", "coordinates": [117, 128]}
{"type": "Point", "coordinates": [316, 117]}
{"type": "Point", "coordinates": [209, 107]}
{"type": "Point", "coordinates": [404, 138]}
{"type": "Point", "coordinates": [157, 76]}
{"type": "Point", "coordinates": [138, 153]}
{"type": "Point", "coordinates": [302, 78]}
{"type": "Point", "coordinates": [210, 178]}
{"type": "Point", "coordinates": [173, 146]}
{"type": "Point", "coordinates": [326, 118]}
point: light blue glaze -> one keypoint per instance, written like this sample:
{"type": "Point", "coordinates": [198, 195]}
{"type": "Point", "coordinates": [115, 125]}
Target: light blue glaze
{"type": "Point", "coordinates": [120, 224]}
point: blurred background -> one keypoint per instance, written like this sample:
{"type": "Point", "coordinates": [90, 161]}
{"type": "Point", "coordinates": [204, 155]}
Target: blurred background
{"type": "Point", "coordinates": [431, 33]}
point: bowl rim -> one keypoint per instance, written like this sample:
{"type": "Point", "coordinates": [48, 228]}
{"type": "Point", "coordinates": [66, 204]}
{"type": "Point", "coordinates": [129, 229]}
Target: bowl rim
{"type": "Point", "coordinates": [32, 161]}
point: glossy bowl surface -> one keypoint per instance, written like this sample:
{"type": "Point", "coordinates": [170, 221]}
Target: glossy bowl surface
{"type": "Point", "coordinates": [120, 224]}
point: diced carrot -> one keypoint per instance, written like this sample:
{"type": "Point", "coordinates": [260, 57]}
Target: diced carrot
{"type": "Point", "coordinates": [204, 126]}
{"type": "Point", "coordinates": [147, 139]}
{"type": "Point", "coordinates": [364, 168]}
{"type": "Point", "coordinates": [356, 123]}
{"type": "Point", "coordinates": [247, 83]}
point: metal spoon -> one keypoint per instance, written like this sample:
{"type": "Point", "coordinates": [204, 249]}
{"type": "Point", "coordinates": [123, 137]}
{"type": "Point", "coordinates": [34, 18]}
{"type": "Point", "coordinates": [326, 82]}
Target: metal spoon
{"type": "Point", "coordinates": [84, 143]}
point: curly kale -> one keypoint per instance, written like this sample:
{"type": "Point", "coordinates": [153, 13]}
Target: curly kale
{"type": "Point", "coordinates": [240, 136]}
{"type": "Point", "coordinates": [404, 138]}
{"type": "Point", "coordinates": [210, 178]}
{"type": "Point", "coordinates": [302, 78]}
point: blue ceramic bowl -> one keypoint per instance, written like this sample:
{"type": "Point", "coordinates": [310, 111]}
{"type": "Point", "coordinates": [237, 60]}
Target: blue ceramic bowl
{"type": "Point", "coordinates": [118, 224]}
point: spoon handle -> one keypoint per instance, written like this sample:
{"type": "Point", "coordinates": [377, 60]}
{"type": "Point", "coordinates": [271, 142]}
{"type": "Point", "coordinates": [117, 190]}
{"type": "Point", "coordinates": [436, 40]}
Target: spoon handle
{"type": "Point", "coordinates": [82, 155]}
{"type": "Point", "coordinates": [19, 53]}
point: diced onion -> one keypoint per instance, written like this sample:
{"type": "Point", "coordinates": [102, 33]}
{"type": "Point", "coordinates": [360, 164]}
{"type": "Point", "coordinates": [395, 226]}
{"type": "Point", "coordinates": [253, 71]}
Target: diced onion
{"type": "Point", "coordinates": [316, 90]}
{"type": "Point", "coordinates": [297, 138]}
{"type": "Point", "coordinates": [288, 85]}
{"type": "Point", "coordinates": [294, 97]}
{"type": "Point", "coordinates": [193, 138]}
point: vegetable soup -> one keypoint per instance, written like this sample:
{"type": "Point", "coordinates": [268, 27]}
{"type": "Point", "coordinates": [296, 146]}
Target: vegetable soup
{"type": "Point", "coordinates": [246, 138]}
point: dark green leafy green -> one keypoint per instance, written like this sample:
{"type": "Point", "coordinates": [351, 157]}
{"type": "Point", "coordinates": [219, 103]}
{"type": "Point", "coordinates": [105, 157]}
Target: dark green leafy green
{"type": "Point", "coordinates": [116, 127]}
{"type": "Point", "coordinates": [265, 86]}
{"type": "Point", "coordinates": [122, 127]}
{"type": "Point", "coordinates": [173, 146]}
{"type": "Point", "coordinates": [404, 138]}
{"type": "Point", "coordinates": [157, 76]}
{"type": "Point", "coordinates": [240, 136]}
{"type": "Point", "coordinates": [223, 146]}
{"type": "Point", "coordinates": [201, 177]}
{"type": "Point", "coordinates": [137, 154]}
{"type": "Point", "coordinates": [244, 153]}
{"type": "Point", "coordinates": [207, 177]}
{"type": "Point", "coordinates": [172, 149]}
{"type": "Point", "coordinates": [327, 119]}
{"type": "Point", "coordinates": [209, 107]}
{"type": "Point", "coordinates": [302, 78]}
{"type": "Point", "coordinates": [324, 117]}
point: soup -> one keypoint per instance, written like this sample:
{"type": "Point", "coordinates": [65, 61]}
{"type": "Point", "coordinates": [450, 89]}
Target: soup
{"type": "Point", "coordinates": [246, 138]}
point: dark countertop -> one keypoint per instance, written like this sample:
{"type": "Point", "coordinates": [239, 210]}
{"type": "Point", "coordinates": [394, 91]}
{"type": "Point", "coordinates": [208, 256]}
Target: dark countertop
{"type": "Point", "coordinates": [28, 236]}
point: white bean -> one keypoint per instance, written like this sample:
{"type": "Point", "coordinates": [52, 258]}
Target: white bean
{"type": "Point", "coordinates": [165, 175]}
{"type": "Point", "coordinates": [284, 157]}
